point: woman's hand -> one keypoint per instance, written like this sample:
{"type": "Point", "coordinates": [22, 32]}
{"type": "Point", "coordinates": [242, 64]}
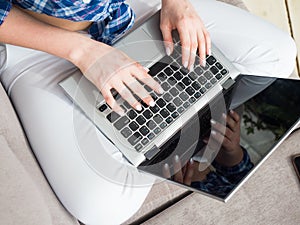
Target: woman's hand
{"type": "Point", "coordinates": [109, 68]}
{"type": "Point", "coordinates": [180, 15]}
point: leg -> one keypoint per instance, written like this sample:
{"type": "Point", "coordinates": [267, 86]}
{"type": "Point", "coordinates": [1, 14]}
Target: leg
{"type": "Point", "coordinates": [253, 45]}
{"type": "Point", "coordinates": [60, 135]}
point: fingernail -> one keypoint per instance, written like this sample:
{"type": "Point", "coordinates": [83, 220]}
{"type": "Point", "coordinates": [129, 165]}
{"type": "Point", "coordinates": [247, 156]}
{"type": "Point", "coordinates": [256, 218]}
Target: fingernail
{"type": "Point", "coordinates": [166, 166]}
{"type": "Point", "coordinates": [213, 132]}
{"type": "Point", "coordinates": [224, 115]}
{"type": "Point", "coordinates": [121, 113]}
{"type": "Point", "coordinates": [231, 111]}
{"type": "Point", "coordinates": [176, 158]}
{"type": "Point", "coordinates": [168, 51]}
{"type": "Point", "coordinates": [138, 107]}
{"type": "Point", "coordinates": [213, 121]}
{"type": "Point", "coordinates": [160, 90]}
{"type": "Point", "coordinates": [185, 64]}
{"type": "Point", "coordinates": [191, 161]}
{"type": "Point", "coordinates": [191, 67]}
{"type": "Point", "coordinates": [152, 103]}
{"type": "Point", "coordinates": [203, 62]}
{"type": "Point", "coordinates": [145, 68]}
{"type": "Point", "coordinates": [209, 51]}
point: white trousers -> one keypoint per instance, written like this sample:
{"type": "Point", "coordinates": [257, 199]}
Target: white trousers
{"type": "Point", "coordinates": [59, 133]}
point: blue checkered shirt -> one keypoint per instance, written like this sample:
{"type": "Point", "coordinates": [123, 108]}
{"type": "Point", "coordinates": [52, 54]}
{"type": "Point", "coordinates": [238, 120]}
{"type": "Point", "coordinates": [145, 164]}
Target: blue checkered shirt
{"type": "Point", "coordinates": [222, 181]}
{"type": "Point", "coordinates": [110, 18]}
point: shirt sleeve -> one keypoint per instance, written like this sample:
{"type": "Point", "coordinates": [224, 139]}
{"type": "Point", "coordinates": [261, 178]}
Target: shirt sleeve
{"type": "Point", "coordinates": [5, 7]}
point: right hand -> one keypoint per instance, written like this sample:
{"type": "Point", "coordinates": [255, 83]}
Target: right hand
{"type": "Point", "coordinates": [109, 68]}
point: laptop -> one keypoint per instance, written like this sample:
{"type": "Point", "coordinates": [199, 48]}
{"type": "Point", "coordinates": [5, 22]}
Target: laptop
{"type": "Point", "coordinates": [140, 135]}
{"type": "Point", "coordinates": [180, 121]}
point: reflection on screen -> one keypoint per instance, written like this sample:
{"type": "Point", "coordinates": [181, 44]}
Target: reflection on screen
{"type": "Point", "coordinates": [261, 111]}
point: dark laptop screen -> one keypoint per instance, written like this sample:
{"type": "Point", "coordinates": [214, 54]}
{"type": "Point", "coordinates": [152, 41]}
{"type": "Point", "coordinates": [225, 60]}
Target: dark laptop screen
{"type": "Point", "coordinates": [267, 108]}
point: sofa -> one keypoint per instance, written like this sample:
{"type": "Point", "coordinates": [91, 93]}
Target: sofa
{"type": "Point", "coordinates": [27, 198]}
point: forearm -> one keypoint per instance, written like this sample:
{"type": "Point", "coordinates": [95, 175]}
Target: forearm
{"type": "Point", "coordinates": [23, 30]}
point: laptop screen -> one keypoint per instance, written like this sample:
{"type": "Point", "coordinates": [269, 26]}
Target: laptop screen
{"type": "Point", "coordinates": [261, 112]}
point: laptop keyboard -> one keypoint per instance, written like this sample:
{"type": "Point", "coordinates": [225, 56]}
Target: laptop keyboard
{"type": "Point", "coordinates": [182, 89]}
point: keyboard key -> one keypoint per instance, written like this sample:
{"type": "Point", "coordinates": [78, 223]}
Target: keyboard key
{"type": "Point", "coordinates": [175, 66]}
{"type": "Point", "coordinates": [154, 96]}
{"type": "Point", "coordinates": [168, 71]}
{"type": "Point", "coordinates": [157, 130]}
{"type": "Point", "coordinates": [144, 130]}
{"type": "Point", "coordinates": [147, 114]}
{"type": "Point", "coordinates": [219, 76]}
{"type": "Point", "coordinates": [211, 60]}
{"type": "Point", "coordinates": [133, 126]}
{"type": "Point", "coordinates": [156, 68]}
{"type": "Point", "coordinates": [219, 65]}
{"type": "Point", "coordinates": [160, 102]}
{"type": "Point", "coordinates": [174, 91]}
{"type": "Point", "coordinates": [213, 81]}
{"type": "Point", "coordinates": [172, 81]}
{"type": "Point", "coordinates": [167, 97]}
{"type": "Point", "coordinates": [175, 115]}
{"type": "Point", "coordinates": [186, 105]}
{"type": "Point", "coordinates": [138, 147]}
{"type": "Point", "coordinates": [214, 70]}
{"type": "Point", "coordinates": [122, 122]}
{"type": "Point", "coordinates": [197, 95]}
{"type": "Point", "coordinates": [184, 70]}
{"type": "Point", "coordinates": [192, 100]}
{"type": "Point", "coordinates": [141, 120]}
{"type": "Point", "coordinates": [163, 125]}
{"type": "Point", "coordinates": [171, 107]}
{"type": "Point", "coordinates": [169, 120]}
{"type": "Point", "coordinates": [151, 125]}
{"type": "Point", "coordinates": [154, 109]}
{"type": "Point", "coordinates": [198, 70]}
{"type": "Point", "coordinates": [127, 105]}
{"type": "Point", "coordinates": [103, 107]}
{"type": "Point", "coordinates": [158, 119]}
{"type": "Point", "coordinates": [224, 71]}
{"type": "Point", "coordinates": [178, 75]}
{"type": "Point", "coordinates": [162, 77]}
{"type": "Point", "coordinates": [165, 86]}
{"type": "Point", "coordinates": [184, 96]}
{"type": "Point", "coordinates": [145, 141]}
{"type": "Point", "coordinates": [202, 80]}
{"type": "Point", "coordinates": [208, 75]}
{"type": "Point", "coordinates": [190, 90]}
{"type": "Point", "coordinates": [208, 85]}
{"type": "Point", "coordinates": [196, 85]}
{"type": "Point", "coordinates": [150, 136]}
{"type": "Point", "coordinates": [177, 101]}
{"type": "Point", "coordinates": [135, 138]}
{"type": "Point", "coordinates": [180, 110]}
{"type": "Point", "coordinates": [112, 117]}
{"type": "Point", "coordinates": [193, 76]}
{"type": "Point", "coordinates": [126, 132]}
{"type": "Point", "coordinates": [131, 114]}
{"type": "Point", "coordinates": [164, 113]}
{"type": "Point", "coordinates": [147, 88]}
{"type": "Point", "coordinates": [187, 81]}
{"type": "Point", "coordinates": [202, 90]}
{"type": "Point", "coordinates": [180, 86]}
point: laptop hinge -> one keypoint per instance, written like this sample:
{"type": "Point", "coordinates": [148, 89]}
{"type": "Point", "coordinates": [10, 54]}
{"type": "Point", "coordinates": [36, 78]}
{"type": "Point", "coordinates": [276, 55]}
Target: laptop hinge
{"type": "Point", "coordinates": [228, 83]}
{"type": "Point", "coordinates": [152, 152]}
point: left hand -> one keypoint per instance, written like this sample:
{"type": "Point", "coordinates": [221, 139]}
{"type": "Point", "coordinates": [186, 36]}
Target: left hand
{"type": "Point", "coordinates": [180, 15]}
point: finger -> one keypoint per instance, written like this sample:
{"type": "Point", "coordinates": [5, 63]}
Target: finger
{"type": "Point", "coordinates": [220, 139]}
{"type": "Point", "coordinates": [218, 127]}
{"type": "Point", "coordinates": [235, 116]}
{"type": "Point", "coordinates": [177, 169]}
{"type": "Point", "coordinates": [166, 171]}
{"type": "Point", "coordinates": [189, 173]}
{"type": "Point", "coordinates": [110, 100]}
{"type": "Point", "coordinates": [166, 31]}
{"type": "Point", "coordinates": [145, 78]}
{"type": "Point", "coordinates": [139, 90]}
{"type": "Point", "coordinates": [185, 44]}
{"type": "Point", "coordinates": [193, 50]}
{"type": "Point", "coordinates": [207, 41]}
{"type": "Point", "coordinates": [126, 95]}
{"type": "Point", "coordinates": [202, 48]}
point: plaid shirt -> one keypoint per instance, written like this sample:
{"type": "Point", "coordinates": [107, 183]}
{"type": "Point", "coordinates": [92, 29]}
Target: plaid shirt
{"type": "Point", "coordinates": [110, 18]}
{"type": "Point", "coordinates": [222, 181]}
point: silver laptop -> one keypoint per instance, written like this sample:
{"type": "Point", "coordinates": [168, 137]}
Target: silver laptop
{"type": "Point", "coordinates": [140, 135]}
